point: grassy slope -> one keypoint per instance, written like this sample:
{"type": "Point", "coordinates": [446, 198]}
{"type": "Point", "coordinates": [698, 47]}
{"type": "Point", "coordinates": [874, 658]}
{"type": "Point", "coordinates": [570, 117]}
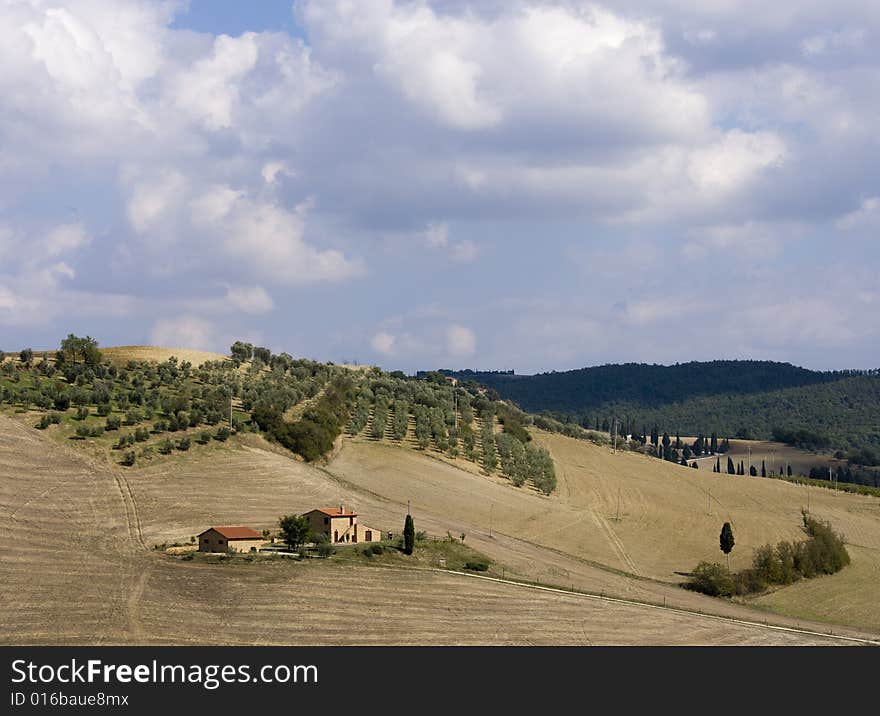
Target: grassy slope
{"type": "Point", "coordinates": [670, 516]}
{"type": "Point", "coordinates": [74, 570]}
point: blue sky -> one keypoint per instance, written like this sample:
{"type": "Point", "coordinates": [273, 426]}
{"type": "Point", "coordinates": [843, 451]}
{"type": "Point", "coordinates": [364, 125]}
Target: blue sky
{"type": "Point", "coordinates": [527, 185]}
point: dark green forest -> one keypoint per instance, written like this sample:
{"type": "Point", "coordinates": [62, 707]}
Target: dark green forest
{"type": "Point", "coordinates": [827, 411]}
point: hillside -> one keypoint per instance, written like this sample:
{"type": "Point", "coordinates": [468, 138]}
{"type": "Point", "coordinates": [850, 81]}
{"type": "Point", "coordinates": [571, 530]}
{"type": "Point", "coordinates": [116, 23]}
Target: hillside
{"type": "Point", "coordinates": [730, 398]}
{"type": "Point", "coordinates": [114, 588]}
{"type": "Point", "coordinates": [614, 524]}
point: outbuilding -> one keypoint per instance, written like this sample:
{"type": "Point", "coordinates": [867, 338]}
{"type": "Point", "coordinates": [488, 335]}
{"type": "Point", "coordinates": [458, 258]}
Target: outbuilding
{"type": "Point", "coordinates": [230, 539]}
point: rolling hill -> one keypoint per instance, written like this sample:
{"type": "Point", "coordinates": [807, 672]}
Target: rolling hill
{"type": "Point", "coordinates": [744, 399]}
{"type": "Point", "coordinates": [82, 528]}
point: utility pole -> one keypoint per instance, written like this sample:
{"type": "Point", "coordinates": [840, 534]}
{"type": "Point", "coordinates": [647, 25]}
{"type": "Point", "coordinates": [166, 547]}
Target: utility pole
{"type": "Point", "coordinates": [614, 435]}
{"type": "Point", "coordinates": [491, 506]}
{"type": "Point", "coordinates": [618, 504]}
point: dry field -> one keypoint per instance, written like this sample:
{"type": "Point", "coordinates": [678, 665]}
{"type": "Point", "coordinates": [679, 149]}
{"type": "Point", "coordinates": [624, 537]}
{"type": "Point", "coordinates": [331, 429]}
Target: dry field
{"type": "Point", "coordinates": [120, 355]}
{"type": "Point", "coordinates": [76, 565]}
{"type": "Point", "coordinates": [776, 456]}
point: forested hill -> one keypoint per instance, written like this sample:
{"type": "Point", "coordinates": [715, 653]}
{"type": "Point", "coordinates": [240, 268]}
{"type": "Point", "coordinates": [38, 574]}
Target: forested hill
{"type": "Point", "coordinates": [747, 399]}
{"type": "Point", "coordinates": [576, 391]}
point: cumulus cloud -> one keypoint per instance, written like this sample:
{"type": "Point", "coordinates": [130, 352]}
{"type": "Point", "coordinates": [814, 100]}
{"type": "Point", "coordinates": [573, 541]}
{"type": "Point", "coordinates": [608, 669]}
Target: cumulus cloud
{"type": "Point", "coordinates": [595, 143]}
{"type": "Point", "coordinates": [437, 237]}
{"type": "Point", "coordinates": [249, 299]}
{"type": "Point", "coordinates": [461, 342]}
{"type": "Point", "coordinates": [383, 342]}
{"type": "Point", "coordinates": [184, 331]}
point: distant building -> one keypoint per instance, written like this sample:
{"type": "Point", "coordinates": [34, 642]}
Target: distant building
{"type": "Point", "coordinates": [225, 539]}
{"type": "Point", "coordinates": [339, 525]}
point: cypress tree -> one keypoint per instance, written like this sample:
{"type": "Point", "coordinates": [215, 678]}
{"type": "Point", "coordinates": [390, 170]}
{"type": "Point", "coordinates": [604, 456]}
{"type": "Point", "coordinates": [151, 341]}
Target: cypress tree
{"type": "Point", "coordinates": [789, 469]}
{"type": "Point", "coordinates": [718, 464]}
{"type": "Point", "coordinates": [731, 470]}
{"type": "Point", "coordinates": [409, 535]}
{"type": "Point", "coordinates": [713, 445]}
{"type": "Point", "coordinates": [763, 469]}
{"type": "Point", "coordinates": [727, 541]}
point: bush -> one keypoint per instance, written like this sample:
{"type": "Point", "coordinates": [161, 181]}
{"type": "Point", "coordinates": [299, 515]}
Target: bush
{"type": "Point", "coordinates": [476, 566]}
{"type": "Point", "coordinates": [325, 549]}
{"type": "Point", "coordinates": [376, 548]}
{"type": "Point", "coordinates": [823, 552]}
{"type": "Point", "coordinates": [165, 447]}
{"type": "Point", "coordinates": [129, 458]}
{"type": "Point", "coordinates": [204, 438]}
{"type": "Point", "coordinates": [183, 444]}
{"type": "Point", "coordinates": [113, 423]}
{"type": "Point", "coordinates": [711, 578]}
{"type": "Point", "coordinates": [223, 434]}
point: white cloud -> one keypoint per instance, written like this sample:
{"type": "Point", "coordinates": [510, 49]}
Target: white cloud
{"type": "Point", "coordinates": [271, 171]}
{"type": "Point", "coordinates": [209, 90]}
{"type": "Point", "coordinates": [461, 342]}
{"type": "Point", "coordinates": [383, 342]}
{"type": "Point", "coordinates": [65, 238]}
{"type": "Point", "coordinates": [214, 204]}
{"type": "Point", "coordinates": [436, 236]}
{"type": "Point", "coordinates": [867, 215]}
{"type": "Point", "coordinates": [253, 299]}
{"type": "Point", "coordinates": [184, 331]}
{"type": "Point", "coordinates": [153, 196]}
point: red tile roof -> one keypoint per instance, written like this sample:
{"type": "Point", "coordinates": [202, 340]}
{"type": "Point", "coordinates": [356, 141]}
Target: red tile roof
{"type": "Point", "coordinates": [236, 532]}
{"type": "Point", "coordinates": [336, 512]}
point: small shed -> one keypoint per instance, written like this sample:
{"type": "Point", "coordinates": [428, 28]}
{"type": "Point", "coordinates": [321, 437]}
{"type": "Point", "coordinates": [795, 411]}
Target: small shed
{"type": "Point", "coordinates": [230, 539]}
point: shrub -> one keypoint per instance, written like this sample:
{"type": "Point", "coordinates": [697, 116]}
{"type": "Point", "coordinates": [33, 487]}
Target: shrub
{"type": "Point", "coordinates": [129, 458]}
{"type": "Point", "coordinates": [183, 444]}
{"type": "Point", "coordinates": [204, 438]}
{"type": "Point", "coordinates": [223, 434]}
{"type": "Point", "coordinates": [62, 401]}
{"type": "Point", "coordinates": [113, 423]}
{"type": "Point", "coordinates": [711, 578]}
{"type": "Point", "coordinates": [104, 409]}
{"type": "Point", "coordinates": [376, 548]}
{"type": "Point", "coordinates": [141, 435]}
{"type": "Point", "coordinates": [82, 412]}
{"type": "Point", "coordinates": [325, 549]}
{"type": "Point", "coordinates": [476, 566]}
{"type": "Point", "coordinates": [165, 447]}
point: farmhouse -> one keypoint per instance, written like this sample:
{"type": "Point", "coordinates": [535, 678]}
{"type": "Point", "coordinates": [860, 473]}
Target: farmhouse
{"type": "Point", "coordinates": [340, 525]}
{"type": "Point", "coordinates": [225, 539]}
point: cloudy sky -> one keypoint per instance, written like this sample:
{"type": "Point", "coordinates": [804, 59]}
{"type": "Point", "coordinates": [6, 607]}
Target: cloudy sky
{"type": "Point", "coordinates": [414, 184]}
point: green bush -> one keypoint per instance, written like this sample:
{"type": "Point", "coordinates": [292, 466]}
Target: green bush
{"type": "Point", "coordinates": [129, 458]}
{"type": "Point", "coordinates": [476, 566]}
{"type": "Point", "coordinates": [711, 578]}
{"type": "Point", "coordinates": [823, 552]}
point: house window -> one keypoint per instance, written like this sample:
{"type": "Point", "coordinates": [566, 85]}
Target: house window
{"type": "Point", "coordinates": [368, 536]}
{"type": "Point", "coordinates": [326, 520]}
{"type": "Point", "coordinates": [335, 535]}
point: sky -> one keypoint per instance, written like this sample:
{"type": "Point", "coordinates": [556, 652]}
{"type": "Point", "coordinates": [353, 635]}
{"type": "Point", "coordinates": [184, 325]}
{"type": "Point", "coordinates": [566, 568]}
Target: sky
{"type": "Point", "coordinates": [516, 185]}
